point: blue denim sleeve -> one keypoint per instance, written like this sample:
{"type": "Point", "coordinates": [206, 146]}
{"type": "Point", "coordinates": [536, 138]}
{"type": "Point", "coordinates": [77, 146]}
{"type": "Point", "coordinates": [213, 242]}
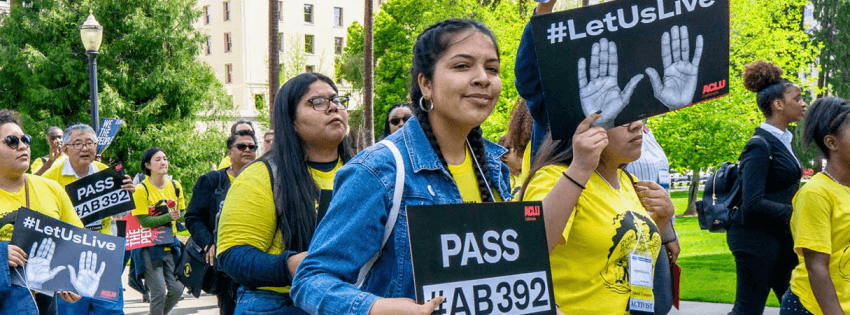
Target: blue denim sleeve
{"type": "Point", "coordinates": [254, 268]}
{"type": "Point", "coordinates": [528, 82]}
{"type": "Point", "coordinates": [5, 278]}
{"type": "Point", "coordinates": [349, 234]}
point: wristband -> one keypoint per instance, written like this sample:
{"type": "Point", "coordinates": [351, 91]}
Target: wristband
{"type": "Point", "coordinates": [573, 180]}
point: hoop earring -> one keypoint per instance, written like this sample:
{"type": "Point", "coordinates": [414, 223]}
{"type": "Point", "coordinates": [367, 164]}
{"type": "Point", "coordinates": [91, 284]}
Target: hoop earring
{"type": "Point", "coordinates": [423, 107]}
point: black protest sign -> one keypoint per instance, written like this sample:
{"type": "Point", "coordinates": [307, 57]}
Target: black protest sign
{"type": "Point", "coordinates": [107, 132]}
{"type": "Point", "coordinates": [63, 257]}
{"type": "Point", "coordinates": [488, 258]}
{"type": "Point", "coordinates": [100, 195]}
{"type": "Point", "coordinates": [631, 59]}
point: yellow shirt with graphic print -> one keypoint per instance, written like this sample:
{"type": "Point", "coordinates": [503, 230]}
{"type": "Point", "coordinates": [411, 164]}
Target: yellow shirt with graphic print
{"type": "Point", "coordinates": [590, 265]}
{"type": "Point", "coordinates": [821, 223]}
{"type": "Point", "coordinates": [46, 197]}
{"type": "Point", "coordinates": [249, 217]}
{"type": "Point", "coordinates": [147, 195]}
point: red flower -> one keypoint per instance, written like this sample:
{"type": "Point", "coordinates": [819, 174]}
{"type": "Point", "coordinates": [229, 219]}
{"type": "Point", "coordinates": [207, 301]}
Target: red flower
{"type": "Point", "coordinates": [171, 203]}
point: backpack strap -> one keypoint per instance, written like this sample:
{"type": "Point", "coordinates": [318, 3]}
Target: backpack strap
{"type": "Point", "coordinates": [147, 192]}
{"type": "Point", "coordinates": [392, 216]}
{"type": "Point", "coordinates": [763, 140]}
{"type": "Point", "coordinates": [176, 190]}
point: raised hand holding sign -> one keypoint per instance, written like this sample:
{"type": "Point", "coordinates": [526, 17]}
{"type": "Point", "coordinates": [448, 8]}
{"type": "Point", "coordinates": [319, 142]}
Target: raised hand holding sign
{"type": "Point", "coordinates": [680, 75]}
{"type": "Point", "coordinates": [38, 266]}
{"type": "Point", "coordinates": [603, 92]}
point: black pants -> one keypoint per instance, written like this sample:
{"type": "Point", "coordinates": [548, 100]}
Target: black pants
{"type": "Point", "coordinates": [763, 261]}
{"type": "Point", "coordinates": [227, 298]}
{"type": "Point", "coordinates": [46, 304]}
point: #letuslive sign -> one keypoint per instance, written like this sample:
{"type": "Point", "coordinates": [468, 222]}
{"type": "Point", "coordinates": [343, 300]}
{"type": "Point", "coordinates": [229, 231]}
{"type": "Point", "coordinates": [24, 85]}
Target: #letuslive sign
{"type": "Point", "coordinates": [62, 257]}
{"type": "Point", "coordinates": [100, 195]}
{"type": "Point", "coordinates": [489, 258]}
{"type": "Point", "coordinates": [631, 59]}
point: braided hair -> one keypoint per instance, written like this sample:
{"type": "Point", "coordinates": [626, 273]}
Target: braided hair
{"type": "Point", "coordinates": [429, 48]}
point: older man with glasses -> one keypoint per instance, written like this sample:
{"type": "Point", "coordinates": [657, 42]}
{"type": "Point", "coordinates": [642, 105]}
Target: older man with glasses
{"type": "Point", "coordinates": [81, 148]}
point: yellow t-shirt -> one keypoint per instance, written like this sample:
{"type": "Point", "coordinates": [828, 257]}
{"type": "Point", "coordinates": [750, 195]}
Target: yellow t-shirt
{"type": "Point", "coordinates": [467, 183]}
{"type": "Point", "coordinates": [248, 216]}
{"type": "Point", "coordinates": [821, 223]}
{"type": "Point", "coordinates": [145, 198]}
{"type": "Point", "coordinates": [39, 162]}
{"type": "Point", "coordinates": [590, 265]}
{"type": "Point", "coordinates": [225, 163]}
{"type": "Point", "coordinates": [46, 197]}
{"type": "Point", "coordinates": [55, 173]}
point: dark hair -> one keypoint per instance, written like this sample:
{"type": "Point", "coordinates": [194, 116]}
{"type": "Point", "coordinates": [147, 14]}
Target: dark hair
{"type": "Point", "coordinates": [519, 128]}
{"type": "Point", "coordinates": [239, 122]}
{"type": "Point", "coordinates": [146, 158]}
{"type": "Point", "coordinates": [295, 190]}
{"type": "Point", "coordinates": [390, 111]}
{"type": "Point", "coordinates": [10, 116]}
{"type": "Point", "coordinates": [232, 139]}
{"type": "Point", "coordinates": [550, 152]}
{"type": "Point", "coordinates": [765, 79]}
{"type": "Point", "coordinates": [825, 117]}
{"type": "Point", "coordinates": [429, 48]}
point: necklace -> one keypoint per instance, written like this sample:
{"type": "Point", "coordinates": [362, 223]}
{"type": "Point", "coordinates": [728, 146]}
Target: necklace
{"type": "Point", "coordinates": [833, 178]}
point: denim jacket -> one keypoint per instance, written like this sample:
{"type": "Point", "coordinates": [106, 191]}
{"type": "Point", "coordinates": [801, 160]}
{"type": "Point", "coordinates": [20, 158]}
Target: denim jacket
{"type": "Point", "coordinates": [13, 299]}
{"type": "Point", "coordinates": [353, 228]}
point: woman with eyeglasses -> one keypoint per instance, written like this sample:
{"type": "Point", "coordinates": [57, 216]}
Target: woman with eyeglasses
{"type": "Point", "coordinates": [18, 189]}
{"type": "Point", "coordinates": [397, 116]}
{"type": "Point", "coordinates": [159, 202]}
{"type": "Point", "coordinates": [269, 215]}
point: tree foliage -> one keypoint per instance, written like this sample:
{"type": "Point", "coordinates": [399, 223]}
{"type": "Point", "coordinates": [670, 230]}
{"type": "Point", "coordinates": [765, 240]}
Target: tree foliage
{"type": "Point", "coordinates": [833, 18]}
{"type": "Point", "coordinates": [702, 136]}
{"type": "Point", "coordinates": [148, 75]}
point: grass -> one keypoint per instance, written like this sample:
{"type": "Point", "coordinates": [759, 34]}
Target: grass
{"type": "Point", "coordinates": [708, 267]}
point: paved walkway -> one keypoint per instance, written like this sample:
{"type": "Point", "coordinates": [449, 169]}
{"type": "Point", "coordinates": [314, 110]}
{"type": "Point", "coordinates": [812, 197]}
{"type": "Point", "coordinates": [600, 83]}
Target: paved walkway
{"type": "Point", "coordinates": [700, 308]}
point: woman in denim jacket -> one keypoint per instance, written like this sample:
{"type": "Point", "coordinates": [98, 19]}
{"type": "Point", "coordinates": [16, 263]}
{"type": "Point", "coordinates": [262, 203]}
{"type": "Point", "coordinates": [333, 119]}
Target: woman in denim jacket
{"type": "Point", "coordinates": [456, 86]}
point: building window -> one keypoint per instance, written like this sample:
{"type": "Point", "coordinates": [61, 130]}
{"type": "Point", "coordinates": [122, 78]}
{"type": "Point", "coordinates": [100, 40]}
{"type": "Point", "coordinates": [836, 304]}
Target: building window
{"type": "Point", "coordinates": [207, 14]}
{"type": "Point", "coordinates": [308, 44]}
{"type": "Point", "coordinates": [227, 10]}
{"type": "Point", "coordinates": [280, 10]}
{"type": "Point", "coordinates": [228, 73]}
{"type": "Point", "coordinates": [209, 46]}
{"type": "Point", "coordinates": [310, 68]}
{"type": "Point", "coordinates": [228, 43]}
{"type": "Point", "coordinates": [338, 17]}
{"type": "Point", "coordinates": [280, 41]}
{"type": "Point", "coordinates": [308, 13]}
{"type": "Point", "coordinates": [338, 41]}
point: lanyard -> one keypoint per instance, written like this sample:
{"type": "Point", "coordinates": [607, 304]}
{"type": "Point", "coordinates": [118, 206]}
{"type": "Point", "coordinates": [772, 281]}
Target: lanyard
{"type": "Point", "coordinates": [27, 191]}
{"type": "Point", "coordinates": [629, 209]}
{"type": "Point", "coordinates": [472, 154]}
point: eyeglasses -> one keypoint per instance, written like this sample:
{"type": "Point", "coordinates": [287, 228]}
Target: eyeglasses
{"type": "Point", "coordinates": [242, 147]}
{"type": "Point", "coordinates": [321, 103]}
{"type": "Point", "coordinates": [13, 141]}
{"type": "Point", "coordinates": [397, 120]}
{"type": "Point", "coordinates": [81, 145]}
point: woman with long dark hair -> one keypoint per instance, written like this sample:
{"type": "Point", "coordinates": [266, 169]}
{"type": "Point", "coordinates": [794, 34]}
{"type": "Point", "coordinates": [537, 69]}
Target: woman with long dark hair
{"type": "Point", "coordinates": [269, 215]}
{"type": "Point", "coordinates": [397, 116]}
{"type": "Point", "coordinates": [820, 284]}
{"type": "Point", "coordinates": [760, 236]}
{"type": "Point", "coordinates": [455, 87]}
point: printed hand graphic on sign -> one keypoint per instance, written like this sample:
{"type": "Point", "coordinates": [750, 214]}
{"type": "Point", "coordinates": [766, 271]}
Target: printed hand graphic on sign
{"type": "Point", "coordinates": [602, 91]}
{"type": "Point", "coordinates": [680, 75]}
{"type": "Point", "coordinates": [88, 280]}
{"type": "Point", "coordinates": [38, 265]}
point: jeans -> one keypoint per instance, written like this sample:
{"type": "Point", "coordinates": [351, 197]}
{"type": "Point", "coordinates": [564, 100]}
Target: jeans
{"type": "Point", "coordinates": [159, 277]}
{"type": "Point", "coordinates": [791, 305]}
{"type": "Point", "coordinates": [763, 261]}
{"type": "Point", "coordinates": [92, 306]}
{"type": "Point", "coordinates": [265, 302]}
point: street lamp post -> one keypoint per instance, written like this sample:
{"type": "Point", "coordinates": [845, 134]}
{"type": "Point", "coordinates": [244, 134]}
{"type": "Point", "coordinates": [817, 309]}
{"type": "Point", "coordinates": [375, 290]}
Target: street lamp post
{"type": "Point", "coordinates": [92, 34]}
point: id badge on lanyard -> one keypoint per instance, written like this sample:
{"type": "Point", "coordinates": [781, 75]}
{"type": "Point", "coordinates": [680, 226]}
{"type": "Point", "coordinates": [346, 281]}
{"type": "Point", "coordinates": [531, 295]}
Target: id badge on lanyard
{"type": "Point", "coordinates": [641, 299]}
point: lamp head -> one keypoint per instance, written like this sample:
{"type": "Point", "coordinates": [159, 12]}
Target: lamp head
{"type": "Point", "coordinates": [91, 33]}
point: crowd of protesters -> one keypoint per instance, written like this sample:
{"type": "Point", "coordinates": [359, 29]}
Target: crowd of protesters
{"type": "Point", "coordinates": [254, 217]}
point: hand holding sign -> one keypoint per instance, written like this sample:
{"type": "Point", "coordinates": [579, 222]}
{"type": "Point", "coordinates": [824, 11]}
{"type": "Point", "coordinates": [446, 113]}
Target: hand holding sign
{"type": "Point", "coordinates": [588, 143]}
{"type": "Point", "coordinates": [680, 75]}
{"type": "Point", "coordinates": [87, 281]}
{"type": "Point", "coordinates": [603, 92]}
{"type": "Point", "coordinates": [16, 256]}
{"type": "Point", "coordinates": [38, 268]}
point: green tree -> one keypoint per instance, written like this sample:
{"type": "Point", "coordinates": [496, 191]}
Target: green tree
{"type": "Point", "coordinates": [148, 75]}
{"type": "Point", "coordinates": [702, 136]}
{"type": "Point", "coordinates": [833, 23]}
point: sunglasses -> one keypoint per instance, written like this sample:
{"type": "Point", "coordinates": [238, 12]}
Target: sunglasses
{"type": "Point", "coordinates": [13, 141]}
{"type": "Point", "coordinates": [242, 147]}
{"type": "Point", "coordinates": [397, 120]}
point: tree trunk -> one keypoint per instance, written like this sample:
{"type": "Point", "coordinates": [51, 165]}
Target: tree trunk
{"type": "Point", "coordinates": [274, 56]}
{"type": "Point", "coordinates": [692, 194]}
{"type": "Point", "coordinates": [368, 77]}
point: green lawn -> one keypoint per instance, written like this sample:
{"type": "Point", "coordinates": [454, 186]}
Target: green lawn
{"type": "Point", "coordinates": [708, 268]}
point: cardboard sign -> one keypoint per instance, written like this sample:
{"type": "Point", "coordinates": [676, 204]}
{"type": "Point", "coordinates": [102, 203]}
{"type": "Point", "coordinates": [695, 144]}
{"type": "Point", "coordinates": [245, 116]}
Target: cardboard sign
{"type": "Point", "coordinates": [489, 258]}
{"type": "Point", "coordinates": [63, 257]}
{"type": "Point", "coordinates": [107, 132]}
{"type": "Point", "coordinates": [99, 195]}
{"type": "Point", "coordinates": [138, 236]}
{"type": "Point", "coordinates": [631, 59]}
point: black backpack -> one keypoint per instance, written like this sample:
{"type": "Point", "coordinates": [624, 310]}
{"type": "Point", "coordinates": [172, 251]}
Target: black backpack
{"type": "Point", "coordinates": [722, 195]}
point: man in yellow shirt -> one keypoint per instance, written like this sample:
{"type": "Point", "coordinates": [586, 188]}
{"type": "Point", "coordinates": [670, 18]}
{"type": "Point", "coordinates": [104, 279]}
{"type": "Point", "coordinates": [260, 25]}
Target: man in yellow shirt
{"type": "Point", "coordinates": [55, 155]}
{"type": "Point", "coordinates": [81, 147]}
